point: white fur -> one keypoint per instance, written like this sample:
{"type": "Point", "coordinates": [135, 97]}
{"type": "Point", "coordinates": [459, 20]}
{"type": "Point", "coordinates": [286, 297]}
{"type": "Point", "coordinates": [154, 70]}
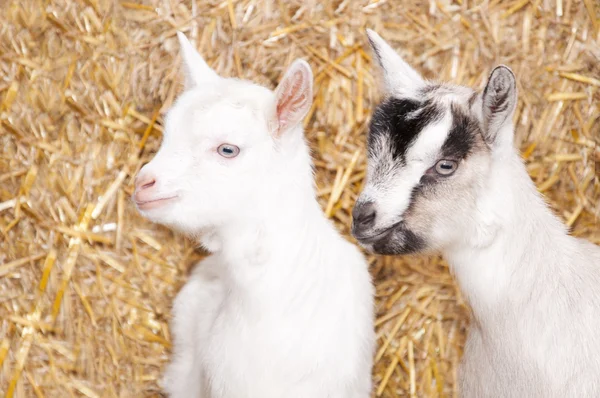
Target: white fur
{"type": "Point", "coordinates": [534, 290]}
{"type": "Point", "coordinates": [283, 307]}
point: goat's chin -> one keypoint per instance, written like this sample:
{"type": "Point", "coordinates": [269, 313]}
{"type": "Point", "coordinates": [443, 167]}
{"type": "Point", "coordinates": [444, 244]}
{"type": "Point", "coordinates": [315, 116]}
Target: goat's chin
{"type": "Point", "coordinates": [399, 241]}
{"type": "Point", "coordinates": [172, 220]}
{"type": "Point", "coordinates": [157, 215]}
{"type": "Point", "coordinates": [194, 231]}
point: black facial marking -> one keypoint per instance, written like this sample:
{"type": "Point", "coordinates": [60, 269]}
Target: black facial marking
{"type": "Point", "coordinates": [473, 98]}
{"type": "Point", "coordinates": [429, 89]}
{"type": "Point", "coordinates": [401, 120]}
{"type": "Point", "coordinates": [400, 241]}
{"type": "Point", "coordinates": [462, 137]}
{"type": "Point", "coordinates": [426, 180]}
{"type": "Point", "coordinates": [416, 191]}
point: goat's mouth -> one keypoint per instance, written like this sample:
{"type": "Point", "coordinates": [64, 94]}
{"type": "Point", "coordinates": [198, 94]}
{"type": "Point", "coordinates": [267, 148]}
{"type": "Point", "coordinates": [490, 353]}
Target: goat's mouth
{"type": "Point", "coordinates": [374, 237]}
{"type": "Point", "coordinates": [153, 203]}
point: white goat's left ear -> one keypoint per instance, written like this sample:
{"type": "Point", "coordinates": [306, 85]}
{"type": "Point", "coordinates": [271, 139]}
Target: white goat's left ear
{"type": "Point", "coordinates": [400, 78]}
{"type": "Point", "coordinates": [197, 70]}
{"type": "Point", "coordinates": [293, 97]}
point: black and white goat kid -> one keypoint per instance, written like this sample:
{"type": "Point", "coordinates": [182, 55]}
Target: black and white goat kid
{"type": "Point", "coordinates": [444, 176]}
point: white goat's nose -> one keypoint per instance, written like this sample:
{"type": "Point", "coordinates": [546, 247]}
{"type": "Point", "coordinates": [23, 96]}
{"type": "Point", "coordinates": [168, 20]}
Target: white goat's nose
{"type": "Point", "coordinates": [144, 181]}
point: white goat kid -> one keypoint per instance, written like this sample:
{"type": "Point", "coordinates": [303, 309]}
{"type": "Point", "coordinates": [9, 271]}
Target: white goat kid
{"type": "Point", "coordinates": [283, 307]}
{"type": "Point", "coordinates": [443, 175]}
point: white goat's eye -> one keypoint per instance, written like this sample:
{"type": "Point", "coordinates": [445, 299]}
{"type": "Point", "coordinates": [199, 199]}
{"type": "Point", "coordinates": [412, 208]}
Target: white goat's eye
{"type": "Point", "coordinates": [228, 151]}
{"type": "Point", "coordinates": [446, 167]}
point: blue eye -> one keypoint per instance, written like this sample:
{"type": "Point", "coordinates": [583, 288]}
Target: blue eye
{"type": "Point", "coordinates": [228, 151]}
{"type": "Point", "coordinates": [446, 167]}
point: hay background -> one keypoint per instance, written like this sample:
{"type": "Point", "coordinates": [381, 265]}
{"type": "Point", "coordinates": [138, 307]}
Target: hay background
{"type": "Point", "coordinates": [86, 284]}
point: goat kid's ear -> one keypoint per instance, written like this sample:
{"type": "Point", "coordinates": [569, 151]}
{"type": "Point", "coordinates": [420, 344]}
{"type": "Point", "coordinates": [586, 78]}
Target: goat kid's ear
{"type": "Point", "coordinates": [399, 77]}
{"type": "Point", "coordinates": [499, 101]}
{"type": "Point", "coordinates": [196, 69]}
{"type": "Point", "coordinates": [293, 97]}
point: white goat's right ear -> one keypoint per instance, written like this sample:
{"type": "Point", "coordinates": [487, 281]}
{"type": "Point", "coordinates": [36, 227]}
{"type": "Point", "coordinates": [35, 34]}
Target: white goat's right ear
{"type": "Point", "coordinates": [197, 70]}
{"type": "Point", "coordinates": [399, 77]}
{"type": "Point", "coordinates": [293, 97]}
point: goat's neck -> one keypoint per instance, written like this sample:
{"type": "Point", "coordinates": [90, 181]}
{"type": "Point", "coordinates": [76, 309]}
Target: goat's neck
{"type": "Point", "coordinates": [279, 239]}
{"type": "Point", "coordinates": [272, 230]}
{"type": "Point", "coordinates": [512, 242]}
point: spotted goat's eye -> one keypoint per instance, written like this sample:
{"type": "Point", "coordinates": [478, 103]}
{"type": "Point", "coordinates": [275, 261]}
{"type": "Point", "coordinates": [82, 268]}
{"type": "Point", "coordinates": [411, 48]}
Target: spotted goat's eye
{"type": "Point", "coordinates": [228, 151]}
{"type": "Point", "coordinates": [446, 167]}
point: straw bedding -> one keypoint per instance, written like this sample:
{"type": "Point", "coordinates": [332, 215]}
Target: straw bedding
{"type": "Point", "coordinates": [86, 284]}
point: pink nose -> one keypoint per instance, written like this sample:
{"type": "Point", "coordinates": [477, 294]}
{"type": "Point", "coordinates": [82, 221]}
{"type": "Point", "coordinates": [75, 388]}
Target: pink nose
{"type": "Point", "coordinates": [144, 181]}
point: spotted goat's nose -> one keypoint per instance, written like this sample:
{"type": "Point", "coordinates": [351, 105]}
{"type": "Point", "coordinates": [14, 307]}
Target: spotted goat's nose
{"type": "Point", "coordinates": [363, 215]}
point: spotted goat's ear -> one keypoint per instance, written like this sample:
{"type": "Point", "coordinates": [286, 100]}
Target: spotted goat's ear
{"type": "Point", "coordinates": [499, 101]}
{"type": "Point", "coordinates": [400, 79]}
